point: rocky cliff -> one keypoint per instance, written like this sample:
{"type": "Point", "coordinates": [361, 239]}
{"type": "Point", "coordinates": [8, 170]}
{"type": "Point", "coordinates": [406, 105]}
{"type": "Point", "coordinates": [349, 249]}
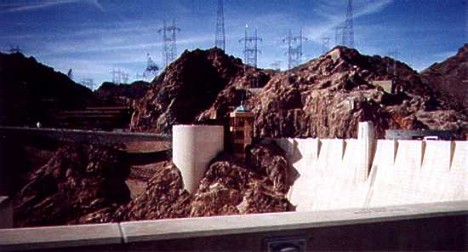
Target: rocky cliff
{"type": "Point", "coordinates": [120, 94]}
{"type": "Point", "coordinates": [449, 79]}
{"type": "Point", "coordinates": [325, 97]}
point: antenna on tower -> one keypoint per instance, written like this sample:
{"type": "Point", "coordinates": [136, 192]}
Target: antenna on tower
{"type": "Point", "coordinates": [250, 47]}
{"type": "Point", "coordinates": [348, 29]}
{"type": "Point", "coordinates": [169, 42]}
{"type": "Point", "coordinates": [220, 38]}
{"type": "Point", "coordinates": [294, 48]}
{"type": "Point", "coordinates": [325, 44]}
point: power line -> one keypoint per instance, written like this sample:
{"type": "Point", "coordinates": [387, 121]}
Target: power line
{"type": "Point", "coordinates": [220, 38]}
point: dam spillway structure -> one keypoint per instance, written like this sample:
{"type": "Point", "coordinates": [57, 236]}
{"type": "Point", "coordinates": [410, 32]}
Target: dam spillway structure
{"type": "Point", "coordinates": [193, 147]}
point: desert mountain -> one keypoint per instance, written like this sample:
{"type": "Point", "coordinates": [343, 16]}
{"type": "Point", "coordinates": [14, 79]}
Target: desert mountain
{"type": "Point", "coordinates": [325, 97]}
{"type": "Point", "coordinates": [449, 79]}
{"type": "Point", "coordinates": [30, 91]}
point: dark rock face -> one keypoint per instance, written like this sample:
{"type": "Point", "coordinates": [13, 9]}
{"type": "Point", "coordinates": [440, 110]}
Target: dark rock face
{"type": "Point", "coordinates": [228, 187]}
{"type": "Point", "coordinates": [326, 97]}
{"type": "Point", "coordinates": [449, 79]}
{"type": "Point", "coordinates": [79, 184]}
{"type": "Point", "coordinates": [31, 92]}
{"type": "Point", "coordinates": [121, 94]}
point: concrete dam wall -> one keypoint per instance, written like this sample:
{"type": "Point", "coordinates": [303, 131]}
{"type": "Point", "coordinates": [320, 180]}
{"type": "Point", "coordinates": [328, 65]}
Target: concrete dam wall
{"type": "Point", "coordinates": [361, 173]}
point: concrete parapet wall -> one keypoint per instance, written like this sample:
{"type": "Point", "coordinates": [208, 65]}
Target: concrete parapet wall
{"type": "Point", "coordinates": [194, 146]}
{"type": "Point", "coordinates": [385, 228]}
{"type": "Point", "coordinates": [337, 174]}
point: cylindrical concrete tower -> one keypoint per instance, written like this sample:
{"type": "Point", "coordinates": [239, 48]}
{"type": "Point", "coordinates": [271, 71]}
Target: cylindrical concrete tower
{"type": "Point", "coordinates": [193, 147]}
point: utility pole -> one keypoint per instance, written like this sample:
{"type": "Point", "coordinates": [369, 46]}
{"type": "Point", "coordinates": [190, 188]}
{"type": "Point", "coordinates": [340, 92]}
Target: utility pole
{"type": "Point", "coordinates": [168, 33]}
{"type": "Point", "coordinates": [250, 48]}
{"type": "Point", "coordinates": [220, 38]}
{"type": "Point", "coordinates": [294, 48]}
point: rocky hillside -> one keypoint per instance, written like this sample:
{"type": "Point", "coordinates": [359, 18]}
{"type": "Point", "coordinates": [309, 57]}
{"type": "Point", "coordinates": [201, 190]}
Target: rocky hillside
{"type": "Point", "coordinates": [325, 97]}
{"type": "Point", "coordinates": [190, 86]}
{"type": "Point", "coordinates": [79, 184]}
{"type": "Point", "coordinates": [31, 92]}
{"type": "Point", "coordinates": [120, 94]}
{"type": "Point", "coordinates": [449, 79]}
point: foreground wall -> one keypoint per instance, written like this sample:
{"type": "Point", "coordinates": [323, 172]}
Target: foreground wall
{"type": "Point", "coordinates": [333, 173]}
{"type": "Point", "coordinates": [436, 226]}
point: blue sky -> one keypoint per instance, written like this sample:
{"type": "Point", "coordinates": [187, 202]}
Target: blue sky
{"type": "Point", "coordinates": [93, 37]}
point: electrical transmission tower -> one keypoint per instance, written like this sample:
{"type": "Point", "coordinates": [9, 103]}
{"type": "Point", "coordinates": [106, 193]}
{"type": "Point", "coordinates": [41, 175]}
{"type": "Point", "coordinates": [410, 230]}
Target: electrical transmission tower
{"type": "Point", "coordinates": [325, 44]}
{"type": "Point", "coordinates": [151, 68]}
{"type": "Point", "coordinates": [348, 29]}
{"type": "Point", "coordinates": [169, 42]}
{"type": "Point", "coordinates": [250, 48]}
{"type": "Point", "coordinates": [294, 48]}
{"type": "Point", "coordinates": [220, 39]}
{"type": "Point", "coordinates": [119, 77]}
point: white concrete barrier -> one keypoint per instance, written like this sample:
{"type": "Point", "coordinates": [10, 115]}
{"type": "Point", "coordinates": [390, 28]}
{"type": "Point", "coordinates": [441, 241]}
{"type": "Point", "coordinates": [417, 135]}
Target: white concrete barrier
{"type": "Point", "coordinates": [193, 147]}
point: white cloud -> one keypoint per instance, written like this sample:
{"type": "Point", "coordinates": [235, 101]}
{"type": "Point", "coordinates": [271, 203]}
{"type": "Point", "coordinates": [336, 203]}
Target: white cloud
{"type": "Point", "coordinates": [22, 6]}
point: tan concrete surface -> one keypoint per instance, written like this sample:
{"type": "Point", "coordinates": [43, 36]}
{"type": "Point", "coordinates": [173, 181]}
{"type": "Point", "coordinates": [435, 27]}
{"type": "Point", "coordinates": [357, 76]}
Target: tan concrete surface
{"type": "Point", "coordinates": [254, 223]}
{"type": "Point", "coordinates": [59, 236]}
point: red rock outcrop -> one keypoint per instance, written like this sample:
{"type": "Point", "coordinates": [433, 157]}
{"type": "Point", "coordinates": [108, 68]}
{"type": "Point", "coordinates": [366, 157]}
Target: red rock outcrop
{"type": "Point", "coordinates": [79, 184]}
{"type": "Point", "coordinates": [188, 87]}
{"type": "Point", "coordinates": [449, 79]}
{"type": "Point", "coordinates": [228, 187]}
{"type": "Point", "coordinates": [325, 97]}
